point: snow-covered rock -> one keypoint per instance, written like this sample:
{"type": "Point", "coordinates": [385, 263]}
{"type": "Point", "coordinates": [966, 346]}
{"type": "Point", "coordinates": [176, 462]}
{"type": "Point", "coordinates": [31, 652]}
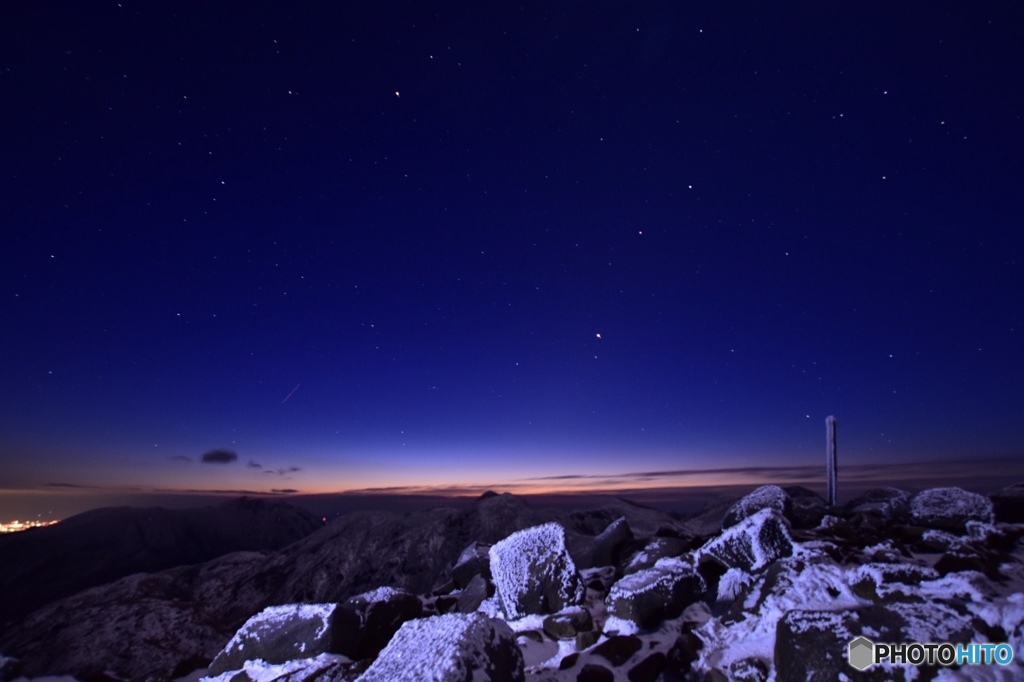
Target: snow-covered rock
{"type": "Point", "coordinates": [806, 506]}
{"type": "Point", "coordinates": [752, 543]}
{"type": "Point", "coordinates": [278, 634]}
{"type": "Point", "coordinates": [811, 644]}
{"type": "Point", "coordinates": [651, 552]}
{"type": "Point", "coordinates": [449, 648]}
{"type": "Point", "coordinates": [533, 573]}
{"type": "Point", "coordinates": [765, 497]}
{"type": "Point", "coordinates": [887, 580]}
{"type": "Point", "coordinates": [365, 623]}
{"type": "Point", "coordinates": [950, 508]}
{"type": "Point", "coordinates": [321, 668]}
{"type": "Point", "coordinates": [889, 503]}
{"type": "Point", "coordinates": [652, 595]}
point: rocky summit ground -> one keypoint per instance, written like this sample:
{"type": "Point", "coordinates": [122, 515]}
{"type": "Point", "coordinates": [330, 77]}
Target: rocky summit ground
{"type": "Point", "coordinates": [772, 587]}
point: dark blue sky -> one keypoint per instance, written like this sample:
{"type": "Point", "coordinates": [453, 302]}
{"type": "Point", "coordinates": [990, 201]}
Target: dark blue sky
{"type": "Point", "coordinates": [416, 245]}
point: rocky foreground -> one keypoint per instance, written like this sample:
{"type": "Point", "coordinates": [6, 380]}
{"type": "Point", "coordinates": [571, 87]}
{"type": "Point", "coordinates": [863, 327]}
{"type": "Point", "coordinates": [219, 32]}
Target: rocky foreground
{"type": "Point", "coordinates": [773, 587]}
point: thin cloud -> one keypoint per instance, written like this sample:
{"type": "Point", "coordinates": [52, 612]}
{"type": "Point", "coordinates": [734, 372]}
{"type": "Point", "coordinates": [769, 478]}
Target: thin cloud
{"type": "Point", "coordinates": [220, 456]}
{"type": "Point", "coordinates": [794, 472]}
{"type": "Point", "coordinates": [180, 458]}
{"type": "Point", "coordinates": [283, 471]}
{"type": "Point", "coordinates": [254, 465]}
{"type": "Point", "coordinates": [284, 491]}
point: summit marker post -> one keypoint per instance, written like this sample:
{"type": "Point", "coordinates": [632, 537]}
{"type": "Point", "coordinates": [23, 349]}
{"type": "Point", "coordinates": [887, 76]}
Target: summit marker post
{"type": "Point", "coordinates": [830, 458]}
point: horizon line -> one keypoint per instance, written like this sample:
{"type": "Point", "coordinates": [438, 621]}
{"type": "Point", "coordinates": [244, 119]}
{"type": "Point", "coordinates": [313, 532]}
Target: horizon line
{"type": "Point", "coordinates": [576, 484]}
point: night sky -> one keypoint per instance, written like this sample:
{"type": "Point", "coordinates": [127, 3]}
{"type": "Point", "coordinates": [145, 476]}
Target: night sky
{"type": "Point", "coordinates": [503, 245]}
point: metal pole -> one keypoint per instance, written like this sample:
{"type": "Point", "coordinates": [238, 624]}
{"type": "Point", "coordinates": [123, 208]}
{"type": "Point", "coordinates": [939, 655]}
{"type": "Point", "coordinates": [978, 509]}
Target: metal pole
{"type": "Point", "coordinates": [830, 458]}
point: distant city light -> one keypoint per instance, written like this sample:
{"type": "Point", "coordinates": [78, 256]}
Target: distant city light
{"type": "Point", "coordinates": [17, 526]}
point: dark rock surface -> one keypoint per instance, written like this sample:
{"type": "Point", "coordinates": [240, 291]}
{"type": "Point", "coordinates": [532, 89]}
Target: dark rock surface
{"type": "Point", "coordinates": [608, 545]}
{"type": "Point", "coordinates": [278, 634]}
{"type": "Point", "coordinates": [618, 649]}
{"type": "Point", "coordinates": [807, 507]}
{"type": "Point", "coordinates": [1008, 503]}
{"type": "Point", "coordinates": [568, 623]}
{"type": "Point", "coordinates": [890, 503]}
{"type": "Point", "coordinates": [363, 625]}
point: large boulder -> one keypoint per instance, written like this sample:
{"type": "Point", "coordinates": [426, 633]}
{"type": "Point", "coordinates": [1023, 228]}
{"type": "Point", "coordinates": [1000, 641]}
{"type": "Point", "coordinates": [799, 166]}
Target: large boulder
{"type": "Point", "coordinates": [534, 574]}
{"type": "Point", "coordinates": [807, 507]}
{"type": "Point", "coordinates": [365, 623]}
{"type": "Point", "coordinates": [891, 504]}
{"type": "Point", "coordinates": [278, 634]}
{"type": "Point", "coordinates": [450, 648]}
{"type": "Point", "coordinates": [765, 497]}
{"type": "Point", "coordinates": [752, 544]}
{"type": "Point", "coordinates": [652, 595]}
{"type": "Point", "coordinates": [950, 508]}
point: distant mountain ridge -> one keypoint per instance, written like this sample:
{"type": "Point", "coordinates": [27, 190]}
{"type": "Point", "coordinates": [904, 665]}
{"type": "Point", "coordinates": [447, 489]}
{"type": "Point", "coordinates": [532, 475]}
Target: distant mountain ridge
{"type": "Point", "coordinates": [103, 545]}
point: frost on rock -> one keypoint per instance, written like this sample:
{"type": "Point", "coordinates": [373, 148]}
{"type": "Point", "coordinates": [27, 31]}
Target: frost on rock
{"type": "Point", "coordinates": [765, 497]}
{"type": "Point", "coordinates": [364, 624]}
{"type": "Point", "coordinates": [950, 508]}
{"type": "Point", "coordinates": [753, 543]}
{"type": "Point", "coordinates": [884, 580]}
{"type": "Point", "coordinates": [533, 572]}
{"type": "Point", "coordinates": [278, 634]}
{"type": "Point", "coordinates": [732, 583]}
{"type": "Point", "coordinates": [449, 648]}
{"type": "Point", "coordinates": [812, 644]}
{"type": "Point", "coordinates": [258, 670]}
{"type": "Point", "coordinates": [809, 582]}
{"type": "Point", "coordinates": [652, 595]}
{"type": "Point", "coordinates": [889, 503]}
